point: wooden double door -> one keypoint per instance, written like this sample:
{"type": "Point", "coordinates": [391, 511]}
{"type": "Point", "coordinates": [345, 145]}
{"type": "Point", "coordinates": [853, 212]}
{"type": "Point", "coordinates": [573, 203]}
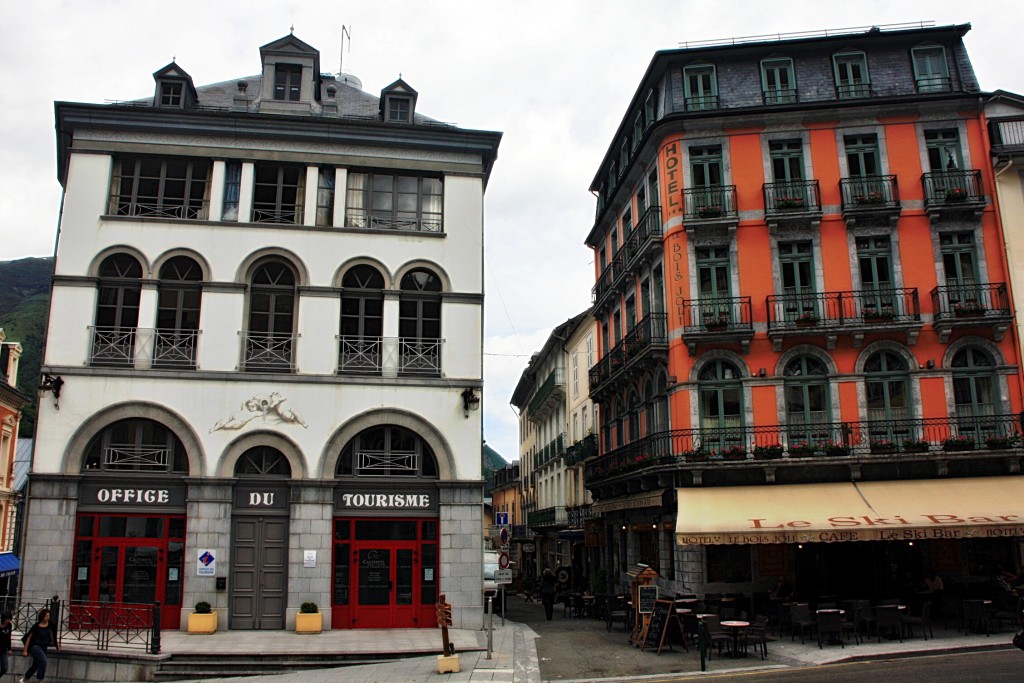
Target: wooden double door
{"type": "Point", "coordinates": [259, 572]}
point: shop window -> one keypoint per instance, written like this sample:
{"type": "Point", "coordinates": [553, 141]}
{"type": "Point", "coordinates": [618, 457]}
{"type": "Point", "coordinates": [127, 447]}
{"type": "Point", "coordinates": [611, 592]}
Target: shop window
{"type": "Point", "coordinates": [728, 563]}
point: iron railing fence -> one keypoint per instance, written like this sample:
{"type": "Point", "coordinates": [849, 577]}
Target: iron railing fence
{"type": "Point", "coordinates": [709, 203]}
{"type": "Point", "coordinates": [870, 192]}
{"type": "Point", "coordinates": [722, 314]}
{"type": "Point", "coordinates": [792, 196]}
{"type": "Point", "coordinates": [360, 355]}
{"type": "Point", "coordinates": [968, 301]}
{"type": "Point", "coordinates": [969, 430]}
{"type": "Point", "coordinates": [98, 625]}
{"type": "Point", "coordinates": [952, 187]}
{"type": "Point", "coordinates": [838, 309]}
{"type": "Point", "coordinates": [114, 346]}
{"type": "Point", "coordinates": [269, 352]}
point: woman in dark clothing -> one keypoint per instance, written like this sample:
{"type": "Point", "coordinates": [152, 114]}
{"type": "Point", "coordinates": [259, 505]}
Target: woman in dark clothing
{"type": "Point", "coordinates": [5, 643]}
{"type": "Point", "coordinates": [37, 640]}
{"type": "Point", "coordinates": [548, 590]}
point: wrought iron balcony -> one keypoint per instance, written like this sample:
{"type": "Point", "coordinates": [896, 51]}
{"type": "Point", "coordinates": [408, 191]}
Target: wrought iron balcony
{"type": "Point", "coordinates": [967, 306]}
{"type": "Point", "coordinates": [854, 91]}
{"type": "Point", "coordinates": [795, 199]}
{"type": "Point", "coordinates": [705, 103]}
{"type": "Point", "coordinates": [581, 450]}
{"type": "Point", "coordinates": [548, 396]}
{"type": "Point", "coordinates": [645, 238]}
{"type": "Point", "coordinates": [419, 356]}
{"type": "Point", "coordinates": [113, 346]}
{"type": "Point", "coordinates": [932, 84]}
{"type": "Point", "coordinates": [521, 532]}
{"type": "Point", "coordinates": [709, 204]}
{"type": "Point", "coordinates": [180, 208]}
{"type": "Point", "coordinates": [1007, 135]}
{"type": "Point", "coordinates": [856, 313]}
{"type": "Point", "coordinates": [958, 190]}
{"type": "Point", "coordinates": [547, 517]}
{"type": "Point", "coordinates": [801, 444]}
{"type": "Point", "coordinates": [608, 278]}
{"type": "Point", "coordinates": [716, 321]}
{"type": "Point", "coordinates": [269, 352]}
{"type": "Point", "coordinates": [360, 355]}
{"type": "Point", "coordinates": [175, 348]}
{"type": "Point", "coordinates": [646, 341]}
{"type": "Point", "coordinates": [874, 194]}
{"type": "Point", "coordinates": [780, 96]}
{"type": "Point", "coordinates": [577, 516]}
{"type": "Point", "coordinates": [551, 451]}
{"type": "Point", "coordinates": [269, 213]}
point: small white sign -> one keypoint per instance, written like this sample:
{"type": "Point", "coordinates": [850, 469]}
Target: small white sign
{"type": "Point", "coordinates": [309, 558]}
{"type": "Point", "coordinates": [428, 573]}
{"type": "Point", "coordinates": [206, 562]}
{"type": "Point", "coordinates": [83, 573]}
{"type": "Point", "coordinates": [172, 573]}
{"type": "Point", "coordinates": [503, 576]}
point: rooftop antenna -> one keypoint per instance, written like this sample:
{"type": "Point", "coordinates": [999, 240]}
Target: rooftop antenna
{"type": "Point", "coordinates": [345, 31]}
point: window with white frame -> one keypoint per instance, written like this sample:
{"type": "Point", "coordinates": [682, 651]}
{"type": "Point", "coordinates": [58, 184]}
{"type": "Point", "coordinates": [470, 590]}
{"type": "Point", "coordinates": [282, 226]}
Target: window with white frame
{"type": "Point", "coordinates": [384, 201]}
{"type": "Point", "coordinates": [160, 187]}
{"type": "Point", "coordinates": [278, 191]}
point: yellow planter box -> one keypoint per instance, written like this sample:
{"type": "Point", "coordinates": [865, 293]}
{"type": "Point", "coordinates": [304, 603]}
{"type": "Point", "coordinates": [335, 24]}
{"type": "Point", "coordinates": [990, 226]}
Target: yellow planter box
{"type": "Point", "coordinates": [308, 623]}
{"type": "Point", "coordinates": [202, 623]}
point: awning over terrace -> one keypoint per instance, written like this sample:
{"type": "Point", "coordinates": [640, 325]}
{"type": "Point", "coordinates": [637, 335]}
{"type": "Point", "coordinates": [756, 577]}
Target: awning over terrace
{"type": "Point", "coordinates": [646, 499]}
{"type": "Point", "coordinates": [983, 507]}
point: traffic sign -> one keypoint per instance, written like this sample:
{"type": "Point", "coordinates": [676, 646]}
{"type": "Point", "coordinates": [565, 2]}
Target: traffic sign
{"type": "Point", "coordinates": [503, 576]}
{"type": "Point", "coordinates": [501, 518]}
{"type": "Point", "coordinates": [503, 561]}
{"type": "Point", "coordinates": [503, 535]}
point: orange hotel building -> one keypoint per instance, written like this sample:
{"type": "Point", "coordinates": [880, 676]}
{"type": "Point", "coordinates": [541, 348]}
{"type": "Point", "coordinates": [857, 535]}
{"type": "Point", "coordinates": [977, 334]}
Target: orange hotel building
{"type": "Point", "coordinates": [808, 359]}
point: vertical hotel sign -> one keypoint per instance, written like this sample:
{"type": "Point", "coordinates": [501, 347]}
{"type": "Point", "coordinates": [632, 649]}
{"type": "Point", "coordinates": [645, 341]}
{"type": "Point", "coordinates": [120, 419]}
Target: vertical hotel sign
{"type": "Point", "coordinates": [675, 236]}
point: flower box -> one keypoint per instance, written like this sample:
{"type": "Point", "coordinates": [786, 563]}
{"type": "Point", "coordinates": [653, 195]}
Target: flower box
{"type": "Point", "coordinates": [309, 619]}
{"type": "Point", "coordinates": [806, 321]}
{"type": "Point", "coordinates": [710, 211]}
{"type": "Point", "coordinates": [695, 456]}
{"type": "Point", "coordinates": [835, 450]}
{"type": "Point", "coordinates": [971, 309]}
{"type": "Point", "coordinates": [915, 447]}
{"type": "Point", "coordinates": [880, 315]}
{"type": "Point", "coordinates": [772, 452]}
{"type": "Point", "coordinates": [803, 450]}
{"type": "Point", "coordinates": [958, 443]}
{"type": "Point", "coordinates": [1001, 442]}
{"type": "Point", "coordinates": [869, 199]}
{"type": "Point", "coordinates": [956, 194]}
{"type": "Point", "coordinates": [883, 447]}
{"type": "Point", "coordinates": [203, 620]}
{"type": "Point", "coordinates": [734, 453]}
{"type": "Point", "coordinates": [789, 203]}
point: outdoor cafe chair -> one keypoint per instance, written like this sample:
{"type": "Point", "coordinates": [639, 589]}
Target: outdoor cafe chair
{"type": "Point", "coordinates": [830, 623]}
{"type": "Point", "coordinates": [889, 621]}
{"type": "Point", "coordinates": [925, 621]}
{"type": "Point", "coordinates": [800, 618]}
{"type": "Point", "coordinates": [757, 635]}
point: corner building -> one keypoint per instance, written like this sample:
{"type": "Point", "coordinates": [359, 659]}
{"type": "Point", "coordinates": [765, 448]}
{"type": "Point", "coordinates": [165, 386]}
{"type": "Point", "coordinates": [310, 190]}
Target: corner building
{"type": "Point", "coordinates": [267, 316]}
{"type": "Point", "coordinates": [808, 357]}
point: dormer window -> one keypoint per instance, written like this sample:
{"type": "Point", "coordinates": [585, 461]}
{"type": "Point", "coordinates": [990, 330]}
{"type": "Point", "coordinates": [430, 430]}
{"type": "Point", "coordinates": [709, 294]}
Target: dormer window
{"type": "Point", "coordinates": [399, 109]}
{"type": "Point", "coordinates": [287, 82]}
{"type": "Point", "coordinates": [170, 94]}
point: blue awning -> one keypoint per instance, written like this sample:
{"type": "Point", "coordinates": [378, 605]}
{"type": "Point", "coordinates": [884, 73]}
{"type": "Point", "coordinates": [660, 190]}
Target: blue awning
{"type": "Point", "coordinates": [9, 564]}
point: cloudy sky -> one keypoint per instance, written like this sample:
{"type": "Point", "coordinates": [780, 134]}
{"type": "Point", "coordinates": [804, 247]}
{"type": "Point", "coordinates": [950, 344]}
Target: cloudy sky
{"type": "Point", "coordinates": [554, 76]}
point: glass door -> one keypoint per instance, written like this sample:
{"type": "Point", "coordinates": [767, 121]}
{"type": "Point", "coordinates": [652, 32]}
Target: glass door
{"type": "Point", "coordinates": [874, 254]}
{"type": "Point", "coordinates": [713, 274]}
{"type": "Point", "coordinates": [797, 265]}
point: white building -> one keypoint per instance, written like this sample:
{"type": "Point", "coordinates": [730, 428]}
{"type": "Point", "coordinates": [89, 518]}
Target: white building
{"type": "Point", "coordinates": [267, 316]}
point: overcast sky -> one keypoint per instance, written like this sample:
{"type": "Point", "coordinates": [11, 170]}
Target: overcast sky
{"type": "Point", "coordinates": [554, 76]}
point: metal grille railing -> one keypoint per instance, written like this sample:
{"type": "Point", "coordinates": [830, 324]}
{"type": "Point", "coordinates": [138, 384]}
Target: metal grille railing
{"type": "Point", "coordinates": [99, 625]}
{"type": "Point", "coordinates": [417, 356]}
{"type": "Point", "coordinates": [175, 348]}
{"type": "Point", "coordinates": [181, 208]}
{"type": "Point", "coordinates": [649, 332]}
{"type": "Point", "coordinates": [791, 196]}
{"type": "Point", "coordinates": [952, 187]}
{"type": "Point", "coordinates": [780, 96]}
{"type": "Point", "coordinates": [360, 355]}
{"type": "Point", "coordinates": [271, 214]}
{"type": "Point", "coordinates": [870, 192]}
{"type": "Point", "coordinates": [723, 314]}
{"type": "Point", "coordinates": [134, 458]}
{"type": "Point", "coordinates": [269, 352]}
{"type": "Point", "coordinates": [934, 84]}
{"type": "Point", "coordinates": [708, 203]}
{"type": "Point", "coordinates": [838, 309]}
{"type": "Point", "coordinates": [970, 301]}
{"type": "Point", "coordinates": [377, 462]}
{"type": "Point", "coordinates": [113, 346]}
{"type": "Point", "coordinates": [705, 103]}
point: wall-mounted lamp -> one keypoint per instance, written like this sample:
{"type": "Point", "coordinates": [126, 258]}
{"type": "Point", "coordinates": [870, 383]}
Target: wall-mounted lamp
{"type": "Point", "coordinates": [470, 400]}
{"type": "Point", "coordinates": [761, 372]}
{"type": "Point", "coordinates": [930, 364]}
{"type": "Point", "coordinates": [53, 384]}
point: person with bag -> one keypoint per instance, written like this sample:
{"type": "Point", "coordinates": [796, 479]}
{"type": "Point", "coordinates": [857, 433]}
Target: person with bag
{"type": "Point", "coordinates": [36, 640]}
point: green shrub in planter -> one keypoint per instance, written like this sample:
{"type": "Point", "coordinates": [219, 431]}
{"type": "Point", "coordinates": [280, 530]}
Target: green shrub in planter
{"type": "Point", "coordinates": [203, 607]}
{"type": "Point", "coordinates": [309, 608]}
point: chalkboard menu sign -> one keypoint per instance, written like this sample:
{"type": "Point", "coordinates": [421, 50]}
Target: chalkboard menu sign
{"type": "Point", "coordinates": [647, 597]}
{"type": "Point", "coordinates": [657, 625]}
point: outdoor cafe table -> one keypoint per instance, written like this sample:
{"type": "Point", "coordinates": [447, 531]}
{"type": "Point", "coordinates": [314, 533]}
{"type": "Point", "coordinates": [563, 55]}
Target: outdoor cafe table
{"type": "Point", "coordinates": [840, 612]}
{"type": "Point", "coordinates": [735, 627]}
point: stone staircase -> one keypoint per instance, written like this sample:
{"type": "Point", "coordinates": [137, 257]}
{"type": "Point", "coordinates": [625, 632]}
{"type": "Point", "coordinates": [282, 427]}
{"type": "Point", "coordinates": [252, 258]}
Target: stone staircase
{"type": "Point", "coordinates": [182, 667]}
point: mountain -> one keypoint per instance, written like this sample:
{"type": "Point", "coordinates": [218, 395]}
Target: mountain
{"type": "Point", "coordinates": [492, 462]}
{"type": "Point", "coordinates": [24, 302]}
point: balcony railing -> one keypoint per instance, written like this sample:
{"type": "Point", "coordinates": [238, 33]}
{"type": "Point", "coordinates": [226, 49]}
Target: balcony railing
{"type": "Point", "coordinates": [554, 380]}
{"type": "Point", "coordinates": [646, 233]}
{"type": "Point", "coordinates": [175, 348]}
{"type": "Point", "coordinates": [553, 516]}
{"type": "Point", "coordinates": [609, 276]}
{"type": "Point", "coordinates": [709, 203]}
{"type": "Point", "coordinates": [360, 355]}
{"type": "Point", "coordinates": [934, 84]}
{"type": "Point", "coordinates": [951, 188]}
{"type": "Point", "coordinates": [269, 352]}
{"type": "Point", "coordinates": [576, 516]}
{"type": "Point", "coordinates": [853, 91]}
{"type": "Point", "coordinates": [705, 103]}
{"type": "Point", "coordinates": [113, 346]}
{"type": "Point", "coordinates": [780, 96]}
{"type": "Point", "coordinates": [180, 208]}
{"type": "Point", "coordinates": [729, 314]}
{"type": "Point", "coordinates": [645, 335]}
{"type": "Point", "coordinates": [581, 450]}
{"type": "Point", "coordinates": [971, 303]}
{"type": "Point", "coordinates": [271, 214]}
{"type": "Point", "coordinates": [889, 438]}
{"type": "Point", "coordinates": [551, 451]}
{"type": "Point", "coordinates": [794, 196]}
{"type": "Point", "coordinates": [811, 310]}
{"type": "Point", "coordinates": [419, 356]}
{"type": "Point", "coordinates": [870, 193]}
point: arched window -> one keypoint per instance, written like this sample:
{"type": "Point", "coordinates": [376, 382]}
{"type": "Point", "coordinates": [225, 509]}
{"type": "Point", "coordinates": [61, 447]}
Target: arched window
{"type": "Point", "coordinates": [887, 389]}
{"type": "Point", "coordinates": [263, 462]}
{"type": "Point", "coordinates": [807, 399]}
{"type": "Point", "coordinates": [177, 313]}
{"type": "Point", "coordinates": [270, 339]}
{"type": "Point", "coordinates": [362, 320]}
{"type": "Point", "coordinates": [974, 392]}
{"type": "Point", "coordinates": [419, 323]}
{"type": "Point", "coordinates": [136, 445]}
{"type": "Point", "coordinates": [387, 451]}
{"type": "Point", "coordinates": [117, 311]}
{"type": "Point", "coordinates": [721, 405]}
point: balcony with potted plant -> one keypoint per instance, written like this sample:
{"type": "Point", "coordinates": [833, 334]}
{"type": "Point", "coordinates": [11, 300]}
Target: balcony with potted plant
{"type": "Point", "coordinates": [874, 198]}
{"type": "Point", "coordinates": [721, 320]}
{"type": "Point", "coordinates": [984, 307]}
{"type": "Point", "coordinates": [710, 208]}
{"type": "Point", "coordinates": [794, 201]}
{"type": "Point", "coordinates": [953, 193]}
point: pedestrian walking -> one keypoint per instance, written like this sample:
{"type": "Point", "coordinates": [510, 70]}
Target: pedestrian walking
{"type": "Point", "coordinates": [548, 590]}
{"type": "Point", "coordinates": [37, 640]}
{"type": "Point", "coordinates": [5, 643]}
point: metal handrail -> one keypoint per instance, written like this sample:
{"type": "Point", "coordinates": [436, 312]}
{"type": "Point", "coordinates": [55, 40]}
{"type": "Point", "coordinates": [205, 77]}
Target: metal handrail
{"type": "Point", "coordinates": [952, 187]}
{"type": "Point", "coordinates": [791, 195]}
{"type": "Point", "coordinates": [709, 203]}
{"type": "Point", "coordinates": [358, 354]}
{"type": "Point", "coordinates": [100, 625]}
{"type": "Point", "coordinates": [869, 192]}
{"type": "Point", "coordinates": [113, 346]}
{"type": "Point", "coordinates": [419, 356]}
{"type": "Point", "coordinates": [971, 301]}
{"type": "Point", "coordinates": [269, 352]}
{"type": "Point", "coordinates": [837, 309]}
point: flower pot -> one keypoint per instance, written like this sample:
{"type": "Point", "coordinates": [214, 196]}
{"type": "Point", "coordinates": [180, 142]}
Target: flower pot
{"type": "Point", "coordinates": [768, 453]}
{"type": "Point", "coordinates": [801, 452]}
{"type": "Point", "coordinates": [308, 622]}
{"type": "Point", "coordinates": [806, 322]}
{"type": "Point", "coordinates": [202, 623]}
{"type": "Point", "coordinates": [970, 313]}
{"type": "Point", "coordinates": [883, 449]}
{"type": "Point", "coordinates": [715, 326]}
{"type": "Point", "coordinates": [912, 447]}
